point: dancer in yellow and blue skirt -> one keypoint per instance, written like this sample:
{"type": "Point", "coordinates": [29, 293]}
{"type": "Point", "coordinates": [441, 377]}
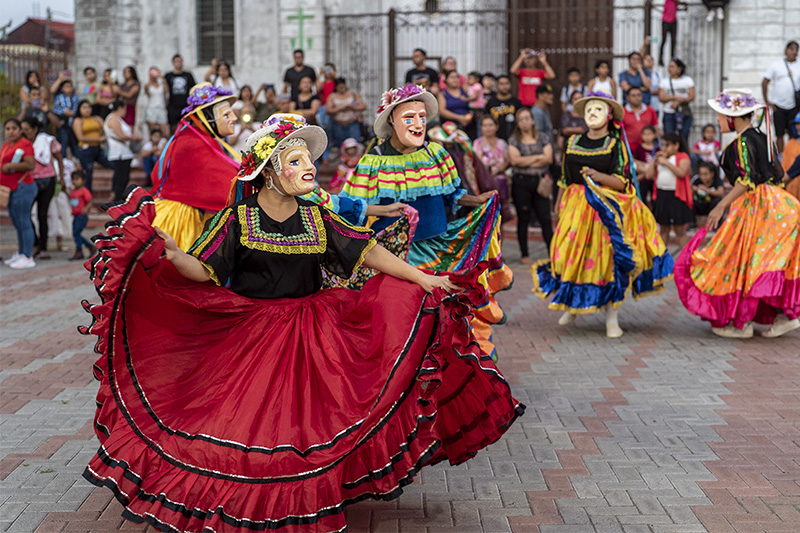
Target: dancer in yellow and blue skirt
{"type": "Point", "coordinates": [750, 271]}
{"type": "Point", "coordinates": [606, 242]}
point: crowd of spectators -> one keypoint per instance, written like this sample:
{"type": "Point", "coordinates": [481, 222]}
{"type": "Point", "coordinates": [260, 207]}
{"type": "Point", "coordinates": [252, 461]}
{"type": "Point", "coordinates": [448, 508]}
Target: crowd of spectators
{"type": "Point", "coordinates": [508, 116]}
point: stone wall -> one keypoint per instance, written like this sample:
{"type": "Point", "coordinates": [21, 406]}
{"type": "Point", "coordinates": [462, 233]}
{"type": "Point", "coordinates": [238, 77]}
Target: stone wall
{"type": "Point", "coordinates": [757, 32]}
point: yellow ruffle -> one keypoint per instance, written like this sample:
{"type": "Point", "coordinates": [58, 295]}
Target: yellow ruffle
{"type": "Point", "coordinates": [182, 222]}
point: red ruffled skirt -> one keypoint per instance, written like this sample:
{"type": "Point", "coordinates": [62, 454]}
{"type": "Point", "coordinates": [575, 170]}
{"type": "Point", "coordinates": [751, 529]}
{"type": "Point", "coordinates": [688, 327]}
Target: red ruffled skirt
{"type": "Point", "coordinates": [217, 412]}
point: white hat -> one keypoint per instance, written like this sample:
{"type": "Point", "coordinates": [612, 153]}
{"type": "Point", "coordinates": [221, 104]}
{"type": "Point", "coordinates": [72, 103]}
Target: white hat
{"type": "Point", "coordinates": [735, 102]}
{"type": "Point", "coordinates": [394, 97]}
{"type": "Point", "coordinates": [272, 138]}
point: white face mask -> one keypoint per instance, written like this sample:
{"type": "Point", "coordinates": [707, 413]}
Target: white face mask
{"type": "Point", "coordinates": [596, 114]}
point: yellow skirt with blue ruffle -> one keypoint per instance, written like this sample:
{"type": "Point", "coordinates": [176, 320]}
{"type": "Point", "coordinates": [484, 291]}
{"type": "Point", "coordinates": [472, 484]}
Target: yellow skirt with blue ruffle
{"type": "Point", "coordinates": [606, 244]}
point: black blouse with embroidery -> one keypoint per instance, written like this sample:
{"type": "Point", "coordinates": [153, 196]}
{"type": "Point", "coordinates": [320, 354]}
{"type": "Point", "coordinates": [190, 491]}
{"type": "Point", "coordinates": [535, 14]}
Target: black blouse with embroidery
{"type": "Point", "coordinates": [606, 155]}
{"type": "Point", "coordinates": [263, 258]}
{"type": "Point", "coordinates": [746, 161]}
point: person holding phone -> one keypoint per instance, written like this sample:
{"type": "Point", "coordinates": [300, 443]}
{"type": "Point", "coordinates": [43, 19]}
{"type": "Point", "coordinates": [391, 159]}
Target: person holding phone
{"type": "Point", "coordinates": [16, 162]}
{"type": "Point", "coordinates": [531, 69]}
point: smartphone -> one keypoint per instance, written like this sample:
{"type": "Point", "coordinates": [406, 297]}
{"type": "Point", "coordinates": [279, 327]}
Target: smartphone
{"type": "Point", "coordinates": [68, 73]}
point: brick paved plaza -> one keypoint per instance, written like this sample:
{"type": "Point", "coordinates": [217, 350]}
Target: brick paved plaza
{"type": "Point", "coordinates": [668, 429]}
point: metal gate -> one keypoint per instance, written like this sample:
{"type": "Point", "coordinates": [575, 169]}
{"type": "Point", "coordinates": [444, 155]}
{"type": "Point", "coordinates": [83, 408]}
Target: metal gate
{"type": "Point", "coordinates": [699, 45]}
{"type": "Point", "coordinates": [373, 51]}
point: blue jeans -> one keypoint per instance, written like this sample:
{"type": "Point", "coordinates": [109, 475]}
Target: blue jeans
{"type": "Point", "coordinates": [19, 210]}
{"type": "Point", "coordinates": [676, 122]}
{"type": "Point", "coordinates": [148, 164]}
{"type": "Point", "coordinates": [87, 156]}
{"type": "Point", "coordinates": [64, 136]}
{"type": "Point", "coordinates": [340, 133]}
{"type": "Point", "coordinates": [78, 224]}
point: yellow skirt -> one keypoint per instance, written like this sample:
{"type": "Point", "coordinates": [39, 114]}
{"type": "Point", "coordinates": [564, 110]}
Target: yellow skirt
{"type": "Point", "coordinates": [606, 243]}
{"type": "Point", "coordinates": [182, 222]}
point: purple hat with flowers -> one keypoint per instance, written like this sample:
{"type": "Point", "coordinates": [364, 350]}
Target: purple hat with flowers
{"type": "Point", "coordinates": [394, 97]}
{"type": "Point", "coordinates": [204, 95]}
{"type": "Point", "coordinates": [735, 102]}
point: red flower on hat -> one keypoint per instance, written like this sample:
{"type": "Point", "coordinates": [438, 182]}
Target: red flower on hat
{"type": "Point", "coordinates": [249, 164]}
{"type": "Point", "coordinates": [284, 129]}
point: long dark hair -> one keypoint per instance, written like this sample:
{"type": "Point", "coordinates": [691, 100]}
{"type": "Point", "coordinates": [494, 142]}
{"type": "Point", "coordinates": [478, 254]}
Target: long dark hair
{"type": "Point", "coordinates": [517, 133]}
{"type": "Point", "coordinates": [28, 77]}
{"type": "Point", "coordinates": [674, 137]}
{"type": "Point", "coordinates": [134, 76]}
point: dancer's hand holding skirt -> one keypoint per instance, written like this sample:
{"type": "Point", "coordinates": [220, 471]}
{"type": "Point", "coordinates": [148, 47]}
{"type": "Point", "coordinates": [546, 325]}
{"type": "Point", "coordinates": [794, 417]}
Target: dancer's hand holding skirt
{"type": "Point", "coordinates": [224, 412]}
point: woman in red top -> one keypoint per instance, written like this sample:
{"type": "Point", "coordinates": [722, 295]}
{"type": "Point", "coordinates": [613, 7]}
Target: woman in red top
{"type": "Point", "coordinates": [16, 162]}
{"type": "Point", "coordinates": [531, 69]}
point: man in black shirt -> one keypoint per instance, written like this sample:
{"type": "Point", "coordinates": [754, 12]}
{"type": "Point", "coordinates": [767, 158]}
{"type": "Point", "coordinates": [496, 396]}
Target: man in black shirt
{"type": "Point", "coordinates": [179, 84]}
{"type": "Point", "coordinates": [503, 106]}
{"type": "Point", "coordinates": [421, 71]}
{"type": "Point", "coordinates": [297, 72]}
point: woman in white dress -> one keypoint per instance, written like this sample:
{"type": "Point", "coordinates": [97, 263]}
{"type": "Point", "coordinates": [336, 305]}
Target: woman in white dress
{"type": "Point", "coordinates": [155, 114]}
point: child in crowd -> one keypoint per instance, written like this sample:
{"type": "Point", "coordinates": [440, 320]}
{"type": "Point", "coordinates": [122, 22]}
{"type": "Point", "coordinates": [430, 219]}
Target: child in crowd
{"type": "Point", "coordinates": [643, 156]}
{"type": "Point", "coordinates": [575, 85]}
{"type": "Point", "coordinates": [351, 152]}
{"type": "Point", "coordinates": [151, 152]}
{"type": "Point", "coordinates": [674, 198]}
{"type": "Point", "coordinates": [489, 83]}
{"type": "Point", "coordinates": [603, 81]}
{"type": "Point", "coordinates": [707, 149]}
{"type": "Point", "coordinates": [708, 190]}
{"type": "Point", "coordinates": [80, 199]}
{"type": "Point", "coordinates": [59, 214]}
{"type": "Point", "coordinates": [476, 98]}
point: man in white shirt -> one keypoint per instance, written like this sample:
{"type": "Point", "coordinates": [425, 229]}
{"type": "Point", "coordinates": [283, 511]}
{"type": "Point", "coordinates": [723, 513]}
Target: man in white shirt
{"type": "Point", "coordinates": [785, 77]}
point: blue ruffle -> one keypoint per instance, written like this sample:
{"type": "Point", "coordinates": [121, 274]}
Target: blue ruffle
{"type": "Point", "coordinates": [663, 266]}
{"type": "Point", "coordinates": [592, 297]}
{"type": "Point", "coordinates": [585, 296]}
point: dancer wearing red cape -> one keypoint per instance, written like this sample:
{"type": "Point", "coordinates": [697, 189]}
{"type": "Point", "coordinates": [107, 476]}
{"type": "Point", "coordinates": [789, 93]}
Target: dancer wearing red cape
{"type": "Point", "coordinates": [218, 411]}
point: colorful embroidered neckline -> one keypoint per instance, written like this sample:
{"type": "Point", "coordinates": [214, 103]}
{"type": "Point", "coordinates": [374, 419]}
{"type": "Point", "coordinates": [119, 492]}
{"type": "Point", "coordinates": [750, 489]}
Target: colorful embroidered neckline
{"type": "Point", "coordinates": [313, 240]}
{"type": "Point", "coordinates": [603, 149]}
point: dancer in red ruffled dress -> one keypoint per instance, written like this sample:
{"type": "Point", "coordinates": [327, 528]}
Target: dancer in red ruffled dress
{"type": "Point", "coordinates": [237, 396]}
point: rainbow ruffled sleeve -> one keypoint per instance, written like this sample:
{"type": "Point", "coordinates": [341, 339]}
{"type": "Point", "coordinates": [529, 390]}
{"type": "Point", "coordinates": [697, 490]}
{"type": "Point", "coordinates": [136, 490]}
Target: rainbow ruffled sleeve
{"type": "Point", "coordinates": [430, 171]}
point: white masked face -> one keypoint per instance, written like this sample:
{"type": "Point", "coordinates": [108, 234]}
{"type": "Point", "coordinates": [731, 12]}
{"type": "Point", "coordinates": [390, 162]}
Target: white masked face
{"type": "Point", "coordinates": [596, 114]}
{"type": "Point", "coordinates": [297, 171]}
{"type": "Point", "coordinates": [410, 120]}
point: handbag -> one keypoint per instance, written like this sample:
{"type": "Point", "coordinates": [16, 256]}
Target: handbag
{"type": "Point", "coordinates": [683, 109]}
{"type": "Point", "coordinates": [791, 79]}
{"type": "Point", "coordinates": [545, 186]}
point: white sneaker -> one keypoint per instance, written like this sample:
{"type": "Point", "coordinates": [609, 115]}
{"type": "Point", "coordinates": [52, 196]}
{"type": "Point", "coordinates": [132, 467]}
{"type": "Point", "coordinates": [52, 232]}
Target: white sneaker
{"type": "Point", "coordinates": [23, 262]}
{"type": "Point", "coordinates": [13, 258]}
{"type": "Point", "coordinates": [710, 16]}
{"type": "Point", "coordinates": [781, 326]}
{"type": "Point", "coordinates": [732, 332]}
{"type": "Point", "coordinates": [720, 14]}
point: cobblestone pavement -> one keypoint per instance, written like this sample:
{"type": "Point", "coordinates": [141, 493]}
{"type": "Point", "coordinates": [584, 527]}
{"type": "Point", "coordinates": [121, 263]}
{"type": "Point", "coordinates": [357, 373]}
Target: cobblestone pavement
{"type": "Point", "coordinates": [668, 429]}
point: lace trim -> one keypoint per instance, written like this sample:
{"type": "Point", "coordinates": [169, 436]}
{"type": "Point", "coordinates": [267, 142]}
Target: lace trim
{"type": "Point", "coordinates": [370, 245]}
{"type": "Point", "coordinates": [313, 241]}
{"type": "Point", "coordinates": [348, 230]}
{"type": "Point", "coordinates": [606, 148]}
